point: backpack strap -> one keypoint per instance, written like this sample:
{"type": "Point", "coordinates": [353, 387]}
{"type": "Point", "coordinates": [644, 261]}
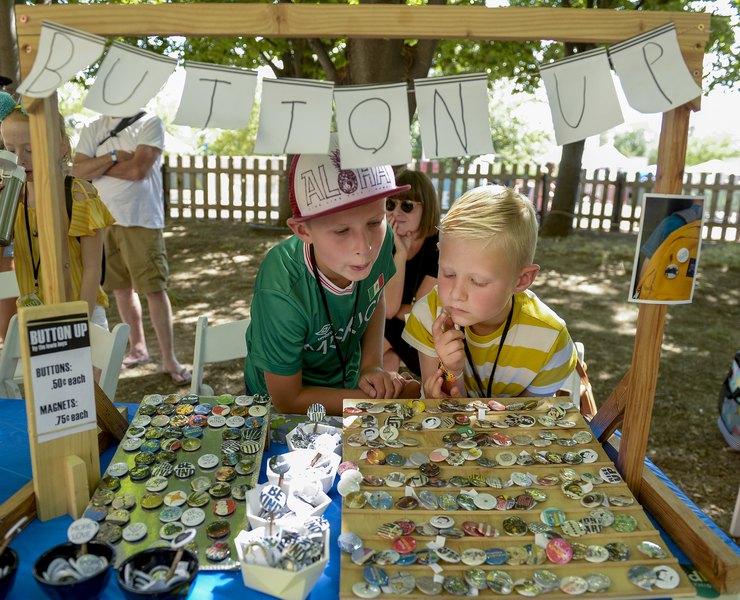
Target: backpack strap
{"type": "Point", "coordinates": [121, 126]}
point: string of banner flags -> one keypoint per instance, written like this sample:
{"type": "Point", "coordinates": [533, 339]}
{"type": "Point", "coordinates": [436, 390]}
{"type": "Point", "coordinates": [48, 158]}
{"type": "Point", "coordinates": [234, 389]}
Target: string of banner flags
{"type": "Point", "coordinates": [372, 121]}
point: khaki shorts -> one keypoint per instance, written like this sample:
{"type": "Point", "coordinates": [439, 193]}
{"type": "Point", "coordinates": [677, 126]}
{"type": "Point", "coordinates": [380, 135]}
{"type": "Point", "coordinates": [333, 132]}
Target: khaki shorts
{"type": "Point", "coordinates": [135, 257]}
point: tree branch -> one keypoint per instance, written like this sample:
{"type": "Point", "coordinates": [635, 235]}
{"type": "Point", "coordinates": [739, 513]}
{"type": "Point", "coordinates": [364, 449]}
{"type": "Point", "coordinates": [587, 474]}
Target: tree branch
{"type": "Point", "coordinates": [268, 60]}
{"type": "Point", "coordinates": [323, 57]}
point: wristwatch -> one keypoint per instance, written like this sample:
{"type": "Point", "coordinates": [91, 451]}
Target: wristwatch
{"type": "Point", "coordinates": [114, 157]}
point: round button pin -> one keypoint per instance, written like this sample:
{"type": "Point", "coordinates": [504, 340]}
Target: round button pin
{"type": "Point", "coordinates": [134, 532]}
{"type": "Point", "coordinates": [666, 578]}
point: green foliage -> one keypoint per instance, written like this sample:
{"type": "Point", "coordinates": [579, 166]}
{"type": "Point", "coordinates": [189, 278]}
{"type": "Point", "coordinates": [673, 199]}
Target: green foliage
{"type": "Point", "coordinates": [702, 149]}
{"type": "Point", "coordinates": [637, 142]}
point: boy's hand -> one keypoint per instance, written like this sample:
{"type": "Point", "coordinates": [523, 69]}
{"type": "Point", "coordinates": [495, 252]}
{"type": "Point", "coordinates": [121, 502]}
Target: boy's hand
{"type": "Point", "coordinates": [378, 384]}
{"type": "Point", "coordinates": [448, 342]}
{"type": "Point", "coordinates": [434, 387]}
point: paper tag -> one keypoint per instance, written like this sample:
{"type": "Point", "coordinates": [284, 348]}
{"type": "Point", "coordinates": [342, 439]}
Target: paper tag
{"type": "Point", "coordinates": [470, 492]}
{"type": "Point", "coordinates": [440, 541]}
{"type": "Point", "coordinates": [363, 456]}
{"type": "Point", "coordinates": [473, 591]}
{"type": "Point", "coordinates": [436, 568]}
{"type": "Point", "coordinates": [481, 414]}
{"type": "Point", "coordinates": [438, 578]}
{"type": "Point", "coordinates": [432, 545]}
{"type": "Point", "coordinates": [541, 540]}
{"type": "Point", "coordinates": [410, 492]}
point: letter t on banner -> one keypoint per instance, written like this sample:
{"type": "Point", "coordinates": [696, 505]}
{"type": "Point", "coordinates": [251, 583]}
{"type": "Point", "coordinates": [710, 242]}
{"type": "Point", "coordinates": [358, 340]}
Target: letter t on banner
{"type": "Point", "coordinates": [216, 96]}
{"type": "Point", "coordinates": [128, 78]}
{"type": "Point", "coordinates": [583, 101]}
{"type": "Point", "coordinates": [63, 52]}
{"type": "Point", "coordinates": [373, 125]}
{"type": "Point", "coordinates": [652, 71]}
{"type": "Point", "coordinates": [295, 117]}
{"type": "Point", "coordinates": [452, 114]}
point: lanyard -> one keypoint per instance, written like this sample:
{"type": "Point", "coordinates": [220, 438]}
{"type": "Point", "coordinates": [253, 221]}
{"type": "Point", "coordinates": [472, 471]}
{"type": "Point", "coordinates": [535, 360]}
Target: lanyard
{"type": "Point", "coordinates": [469, 357]}
{"type": "Point", "coordinates": [36, 265]}
{"type": "Point", "coordinates": [340, 355]}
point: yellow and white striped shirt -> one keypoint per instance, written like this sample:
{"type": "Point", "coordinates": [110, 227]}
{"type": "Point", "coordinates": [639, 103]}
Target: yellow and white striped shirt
{"type": "Point", "coordinates": [88, 215]}
{"type": "Point", "coordinates": [538, 354]}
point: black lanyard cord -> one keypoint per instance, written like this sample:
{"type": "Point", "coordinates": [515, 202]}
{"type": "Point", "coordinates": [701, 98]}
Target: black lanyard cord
{"type": "Point", "coordinates": [36, 265]}
{"type": "Point", "coordinates": [340, 355]}
{"type": "Point", "coordinates": [469, 357]}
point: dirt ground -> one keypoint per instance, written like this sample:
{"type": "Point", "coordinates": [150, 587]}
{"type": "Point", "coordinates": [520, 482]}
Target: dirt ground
{"type": "Point", "coordinates": [585, 278]}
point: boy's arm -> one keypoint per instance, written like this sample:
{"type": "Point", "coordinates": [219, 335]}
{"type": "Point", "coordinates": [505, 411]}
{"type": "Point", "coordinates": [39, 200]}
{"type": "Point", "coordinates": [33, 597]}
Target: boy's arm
{"type": "Point", "coordinates": [290, 396]}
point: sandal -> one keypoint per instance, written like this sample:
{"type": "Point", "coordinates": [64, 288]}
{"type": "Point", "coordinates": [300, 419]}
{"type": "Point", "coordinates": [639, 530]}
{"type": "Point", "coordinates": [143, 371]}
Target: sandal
{"type": "Point", "coordinates": [181, 377]}
{"type": "Point", "coordinates": [130, 362]}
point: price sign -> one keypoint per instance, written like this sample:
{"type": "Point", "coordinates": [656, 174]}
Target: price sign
{"type": "Point", "coordinates": [61, 376]}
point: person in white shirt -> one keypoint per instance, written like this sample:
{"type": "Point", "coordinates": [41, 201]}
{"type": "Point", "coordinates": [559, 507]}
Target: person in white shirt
{"type": "Point", "coordinates": [123, 158]}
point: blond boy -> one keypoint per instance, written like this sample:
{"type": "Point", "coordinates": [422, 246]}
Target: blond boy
{"type": "Point", "coordinates": [481, 332]}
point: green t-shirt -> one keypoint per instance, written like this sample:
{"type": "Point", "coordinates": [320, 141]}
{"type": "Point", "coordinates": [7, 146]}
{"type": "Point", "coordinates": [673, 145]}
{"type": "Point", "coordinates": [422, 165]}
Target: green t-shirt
{"type": "Point", "coordinates": [289, 330]}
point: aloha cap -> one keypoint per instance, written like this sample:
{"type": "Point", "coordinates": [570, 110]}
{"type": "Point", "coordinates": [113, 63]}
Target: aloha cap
{"type": "Point", "coordinates": [319, 186]}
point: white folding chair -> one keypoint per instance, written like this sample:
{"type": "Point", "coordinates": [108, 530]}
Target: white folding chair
{"type": "Point", "coordinates": [107, 349]}
{"type": "Point", "coordinates": [216, 343]}
{"type": "Point", "coordinates": [573, 386]}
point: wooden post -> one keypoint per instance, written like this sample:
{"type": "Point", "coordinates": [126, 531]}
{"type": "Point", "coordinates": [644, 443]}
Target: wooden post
{"type": "Point", "coordinates": [674, 135]}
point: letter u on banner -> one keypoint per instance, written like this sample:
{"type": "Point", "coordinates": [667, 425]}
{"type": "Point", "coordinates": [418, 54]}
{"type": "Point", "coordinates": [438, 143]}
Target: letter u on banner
{"type": "Point", "coordinates": [652, 71]}
{"type": "Point", "coordinates": [128, 78]}
{"type": "Point", "coordinates": [63, 52]}
{"type": "Point", "coordinates": [581, 94]}
{"type": "Point", "coordinates": [373, 125]}
{"type": "Point", "coordinates": [453, 115]}
{"type": "Point", "coordinates": [216, 96]}
{"type": "Point", "coordinates": [295, 117]}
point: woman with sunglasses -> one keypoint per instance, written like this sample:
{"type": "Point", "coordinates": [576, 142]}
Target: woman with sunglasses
{"type": "Point", "coordinates": [413, 216]}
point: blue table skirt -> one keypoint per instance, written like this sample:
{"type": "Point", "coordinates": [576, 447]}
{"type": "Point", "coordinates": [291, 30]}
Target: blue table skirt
{"type": "Point", "coordinates": [15, 471]}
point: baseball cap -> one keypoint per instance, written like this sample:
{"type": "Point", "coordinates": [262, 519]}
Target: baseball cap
{"type": "Point", "coordinates": [319, 186]}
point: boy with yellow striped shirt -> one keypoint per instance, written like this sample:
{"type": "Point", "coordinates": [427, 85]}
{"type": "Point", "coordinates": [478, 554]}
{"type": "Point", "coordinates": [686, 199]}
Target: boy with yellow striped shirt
{"type": "Point", "coordinates": [481, 332]}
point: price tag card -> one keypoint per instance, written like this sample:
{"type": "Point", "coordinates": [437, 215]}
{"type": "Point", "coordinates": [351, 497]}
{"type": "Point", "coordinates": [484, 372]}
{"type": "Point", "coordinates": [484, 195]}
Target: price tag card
{"type": "Point", "coordinates": [61, 376]}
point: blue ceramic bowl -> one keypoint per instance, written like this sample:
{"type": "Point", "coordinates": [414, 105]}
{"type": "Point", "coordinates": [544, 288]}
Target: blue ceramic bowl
{"type": "Point", "coordinates": [91, 587]}
{"type": "Point", "coordinates": [147, 560]}
{"type": "Point", "coordinates": [9, 559]}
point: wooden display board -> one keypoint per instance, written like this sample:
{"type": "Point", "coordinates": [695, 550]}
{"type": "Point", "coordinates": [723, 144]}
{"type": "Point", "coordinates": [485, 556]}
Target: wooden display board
{"type": "Point", "coordinates": [60, 404]}
{"type": "Point", "coordinates": [365, 521]}
{"type": "Point", "coordinates": [146, 427]}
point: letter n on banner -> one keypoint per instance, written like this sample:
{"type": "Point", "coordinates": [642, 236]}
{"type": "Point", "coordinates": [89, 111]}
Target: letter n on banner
{"type": "Point", "coordinates": [373, 125]}
{"type": "Point", "coordinates": [63, 52]}
{"type": "Point", "coordinates": [128, 78]}
{"type": "Point", "coordinates": [295, 117]}
{"type": "Point", "coordinates": [453, 115]}
{"type": "Point", "coordinates": [216, 96]}
{"type": "Point", "coordinates": [581, 94]}
{"type": "Point", "coordinates": [652, 71]}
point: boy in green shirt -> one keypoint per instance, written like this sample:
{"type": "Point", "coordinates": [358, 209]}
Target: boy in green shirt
{"type": "Point", "coordinates": [316, 332]}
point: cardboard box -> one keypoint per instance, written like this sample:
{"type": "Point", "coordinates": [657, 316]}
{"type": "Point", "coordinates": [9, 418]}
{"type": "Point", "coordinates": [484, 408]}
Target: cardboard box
{"type": "Point", "coordinates": [299, 462]}
{"type": "Point", "coordinates": [254, 508]}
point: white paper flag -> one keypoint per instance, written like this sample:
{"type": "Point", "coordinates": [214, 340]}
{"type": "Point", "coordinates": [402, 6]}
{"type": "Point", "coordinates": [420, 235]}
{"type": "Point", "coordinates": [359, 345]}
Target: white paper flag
{"type": "Point", "coordinates": [652, 71]}
{"type": "Point", "coordinates": [295, 117]}
{"type": "Point", "coordinates": [216, 96]}
{"type": "Point", "coordinates": [128, 78]}
{"type": "Point", "coordinates": [580, 90]}
{"type": "Point", "coordinates": [453, 115]}
{"type": "Point", "coordinates": [63, 52]}
{"type": "Point", "coordinates": [373, 125]}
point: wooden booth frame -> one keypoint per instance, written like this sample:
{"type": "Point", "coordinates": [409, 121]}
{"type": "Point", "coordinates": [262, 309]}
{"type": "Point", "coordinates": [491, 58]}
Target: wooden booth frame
{"type": "Point", "coordinates": [630, 405]}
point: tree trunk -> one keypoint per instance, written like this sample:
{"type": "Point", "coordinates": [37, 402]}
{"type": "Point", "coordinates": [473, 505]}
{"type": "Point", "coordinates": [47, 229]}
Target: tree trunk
{"type": "Point", "coordinates": [9, 64]}
{"type": "Point", "coordinates": [559, 220]}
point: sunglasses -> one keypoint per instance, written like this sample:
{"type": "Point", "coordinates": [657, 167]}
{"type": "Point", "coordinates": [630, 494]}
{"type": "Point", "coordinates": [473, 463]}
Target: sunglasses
{"type": "Point", "coordinates": [406, 205]}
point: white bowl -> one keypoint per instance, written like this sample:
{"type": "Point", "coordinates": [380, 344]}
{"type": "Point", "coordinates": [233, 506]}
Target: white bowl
{"type": "Point", "coordinates": [320, 428]}
{"type": "Point", "coordinates": [287, 585]}
{"type": "Point", "coordinates": [299, 464]}
{"type": "Point", "coordinates": [320, 503]}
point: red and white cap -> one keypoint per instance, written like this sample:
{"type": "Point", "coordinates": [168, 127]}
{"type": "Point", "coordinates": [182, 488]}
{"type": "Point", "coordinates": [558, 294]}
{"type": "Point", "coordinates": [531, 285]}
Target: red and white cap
{"type": "Point", "coordinates": [319, 186]}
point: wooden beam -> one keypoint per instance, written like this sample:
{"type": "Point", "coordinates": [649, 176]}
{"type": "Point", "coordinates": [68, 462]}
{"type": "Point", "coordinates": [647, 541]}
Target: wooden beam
{"type": "Point", "coordinates": [48, 186]}
{"type": "Point", "coordinates": [23, 502]}
{"type": "Point", "coordinates": [674, 135]}
{"type": "Point", "coordinates": [611, 413]}
{"type": "Point", "coordinates": [110, 419]}
{"type": "Point", "coordinates": [709, 553]}
{"type": "Point", "coordinates": [362, 21]}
